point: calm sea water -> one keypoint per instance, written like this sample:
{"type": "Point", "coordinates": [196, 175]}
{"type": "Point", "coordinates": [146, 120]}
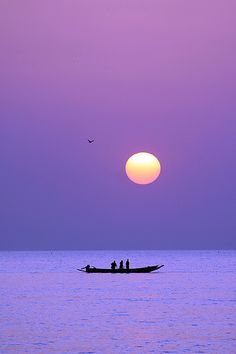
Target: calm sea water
{"type": "Point", "coordinates": [47, 306]}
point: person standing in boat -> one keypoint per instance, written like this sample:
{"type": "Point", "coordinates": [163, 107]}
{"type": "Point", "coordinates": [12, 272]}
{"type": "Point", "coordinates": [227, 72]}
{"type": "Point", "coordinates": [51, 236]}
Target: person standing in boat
{"type": "Point", "coordinates": [113, 265]}
{"type": "Point", "coordinates": [121, 264]}
{"type": "Point", "coordinates": [127, 264]}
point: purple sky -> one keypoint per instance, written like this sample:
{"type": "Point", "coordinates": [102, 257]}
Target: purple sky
{"type": "Point", "coordinates": [155, 76]}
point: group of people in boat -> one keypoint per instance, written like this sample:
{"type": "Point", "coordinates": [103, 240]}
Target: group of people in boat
{"type": "Point", "coordinates": [114, 265]}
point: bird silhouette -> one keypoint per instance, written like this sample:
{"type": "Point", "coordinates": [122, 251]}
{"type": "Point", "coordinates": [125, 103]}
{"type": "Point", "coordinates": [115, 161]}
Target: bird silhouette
{"type": "Point", "coordinates": [90, 141]}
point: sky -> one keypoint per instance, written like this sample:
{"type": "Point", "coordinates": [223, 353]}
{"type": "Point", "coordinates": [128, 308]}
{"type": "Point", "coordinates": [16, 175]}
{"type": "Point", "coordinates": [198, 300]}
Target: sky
{"type": "Point", "coordinates": [155, 76]}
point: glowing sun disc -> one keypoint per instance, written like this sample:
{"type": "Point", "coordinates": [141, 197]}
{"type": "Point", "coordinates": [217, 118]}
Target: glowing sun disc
{"type": "Point", "coordinates": [143, 168]}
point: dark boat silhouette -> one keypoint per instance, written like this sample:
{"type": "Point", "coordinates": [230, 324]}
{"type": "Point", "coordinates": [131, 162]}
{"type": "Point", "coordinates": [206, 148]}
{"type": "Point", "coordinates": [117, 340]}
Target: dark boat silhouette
{"type": "Point", "coordinates": [124, 270]}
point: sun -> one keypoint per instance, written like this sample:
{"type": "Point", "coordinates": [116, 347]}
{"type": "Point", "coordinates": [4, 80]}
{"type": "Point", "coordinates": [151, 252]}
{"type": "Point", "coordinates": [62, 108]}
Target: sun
{"type": "Point", "coordinates": [143, 168]}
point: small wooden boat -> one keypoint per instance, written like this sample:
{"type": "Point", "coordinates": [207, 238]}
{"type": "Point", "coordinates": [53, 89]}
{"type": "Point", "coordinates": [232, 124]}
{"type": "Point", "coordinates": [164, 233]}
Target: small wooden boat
{"type": "Point", "coordinates": [131, 270]}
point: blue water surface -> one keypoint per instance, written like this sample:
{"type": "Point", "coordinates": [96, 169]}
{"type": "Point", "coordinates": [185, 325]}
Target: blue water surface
{"type": "Point", "coordinates": [47, 306]}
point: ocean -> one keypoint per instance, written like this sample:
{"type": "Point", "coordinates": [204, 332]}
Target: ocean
{"type": "Point", "coordinates": [47, 306]}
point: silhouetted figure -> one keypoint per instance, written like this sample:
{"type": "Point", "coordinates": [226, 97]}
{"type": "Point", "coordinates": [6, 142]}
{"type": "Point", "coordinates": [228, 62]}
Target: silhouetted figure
{"type": "Point", "coordinates": [86, 268]}
{"type": "Point", "coordinates": [113, 265]}
{"type": "Point", "coordinates": [121, 265]}
{"type": "Point", "coordinates": [127, 264]}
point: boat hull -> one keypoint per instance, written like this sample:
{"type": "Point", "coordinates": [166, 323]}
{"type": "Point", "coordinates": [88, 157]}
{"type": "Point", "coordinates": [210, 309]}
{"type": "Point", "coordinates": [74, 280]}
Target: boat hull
{"type": "Point", "coordinates": [124, 271]}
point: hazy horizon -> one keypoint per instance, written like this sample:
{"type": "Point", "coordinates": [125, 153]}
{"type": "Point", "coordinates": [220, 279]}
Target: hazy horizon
{"type": "Point", "coordinates": [117, 250]}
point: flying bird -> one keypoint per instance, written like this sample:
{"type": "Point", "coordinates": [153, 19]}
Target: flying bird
{"type": "Point", "coordinates": [90, 141]}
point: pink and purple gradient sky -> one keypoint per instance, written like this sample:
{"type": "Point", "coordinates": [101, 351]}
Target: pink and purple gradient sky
{"type": "Point", "coordinates": [156, 76]}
